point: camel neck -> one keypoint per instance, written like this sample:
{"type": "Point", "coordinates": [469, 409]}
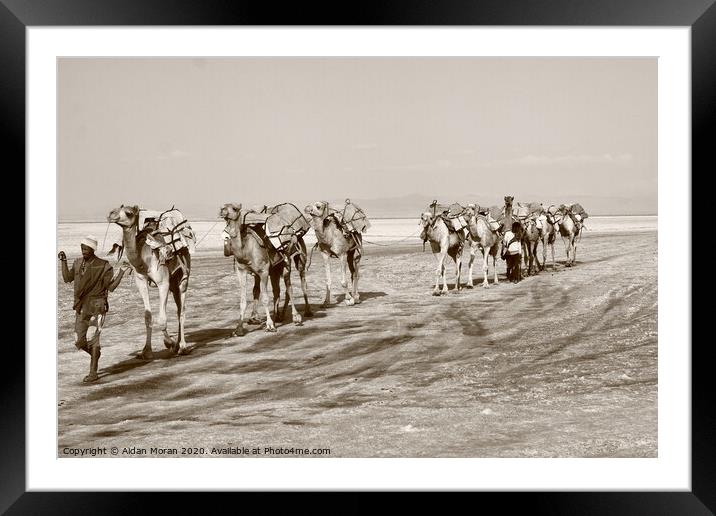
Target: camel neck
{"type": "Point", "coordinates": [129, 237]}
{"type": "Point", "coordinates": [435, 230]}
{"type": "Point", "coordinates": [130, 243]}
{"type": "Point", "coordinates": [235, 233]}
{"type": "Point", "coordinates": [320, 229]}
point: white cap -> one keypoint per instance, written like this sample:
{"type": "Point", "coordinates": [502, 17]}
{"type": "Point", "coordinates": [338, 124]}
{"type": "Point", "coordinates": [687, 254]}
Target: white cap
{"type": "Point", "coordinates": [90, 241]}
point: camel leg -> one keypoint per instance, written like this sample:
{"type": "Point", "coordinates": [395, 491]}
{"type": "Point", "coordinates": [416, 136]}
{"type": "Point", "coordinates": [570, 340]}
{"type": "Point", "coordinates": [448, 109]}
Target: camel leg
{"type": "Point", "coordinates": [163, 288]}
{"type": "Point", "coordinates": [179, 293]}
{"type": "Point", "coordinates": [255, 293]}
{"type": "Point", "coordinates": [443, 257]}
{"type": "Point", "coordinates": [551, 246]}
{"type": "Point", "coordinates": [439, 276]}
{"type": "Point", "coordinates": [143, 287]}
{"type": "Point", "coordinates": [535, 257]}
{"type": "Point", "coordinates": [436, 290]}
{"type": "Point", "coordinates": [327, 267]}
{"type": "Point", "coordinates": [458, 266]}
{"type": "Point", "coordinates": [566, 249]}
{"type": "Point", "coordinates": [264, 301]}
{"type": "Point", "coordinates": [240, 330]}
{"type": "Point", "coordinates": [286, 299]}
{"type": "Point", "coordinates": [485, 257]}
{"type": "Point", "coordinates": [344, 266]}
{"type": "Point", "coordinates": [444, 276]}
{"type": "Point", "coordinates": [295, 316]}
{"type": "Point", "coordinates": [473, 251]}
{"type": "Point", "coordinates": [354, 266]}
{"type": "Point", "coordinates": [494, 265]}
{"type": "Point", "coordinates": [275, 276]}
{"type": "Point", "coordinates": [300, 261]}
{"type": "Point", "coordinates": [348, 299]}
{"type": "Point", "coordinates": [574, 250]}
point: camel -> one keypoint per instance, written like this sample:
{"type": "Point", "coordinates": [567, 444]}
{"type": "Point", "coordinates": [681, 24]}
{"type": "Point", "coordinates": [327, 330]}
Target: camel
{"type": "Point", "coordinates": [483, 237]}
{"type": "Point", "coordinates": [569, 230]}
{"type": "Point", "coordinates": [146, 266]}
{"type": "Point", "coordinates": [548, 235]}
{"type": "Point", "coordinates": [250, 249]}
{"type": "Point", "coordinates": [332, 242]}
{"type": "Point", "coordinates": [530, 239]}
{"type": "Point", "coordinates": [445, 242]}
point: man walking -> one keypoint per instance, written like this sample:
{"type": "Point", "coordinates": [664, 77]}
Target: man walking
{"type": "Point", "coordinates": [512, 252]}
{"type": "Point", "coordinates": [93, 279]}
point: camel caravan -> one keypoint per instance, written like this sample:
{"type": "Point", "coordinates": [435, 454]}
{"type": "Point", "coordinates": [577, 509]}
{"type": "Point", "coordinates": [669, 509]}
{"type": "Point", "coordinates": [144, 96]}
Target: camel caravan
{"type": "Point", "coordinates": [449, 228]}
{"type": "Point", "coordinates": [265, 243]}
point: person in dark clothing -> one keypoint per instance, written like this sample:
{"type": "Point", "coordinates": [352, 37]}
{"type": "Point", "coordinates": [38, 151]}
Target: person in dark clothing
{"type": "Point", "coordinates": [512, 252]}
{"type": "Point", "coordinates": [93, 278]}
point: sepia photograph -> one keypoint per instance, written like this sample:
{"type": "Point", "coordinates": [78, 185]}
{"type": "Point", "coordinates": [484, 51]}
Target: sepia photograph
{"type": "Point", "coordinates": [357, 257]}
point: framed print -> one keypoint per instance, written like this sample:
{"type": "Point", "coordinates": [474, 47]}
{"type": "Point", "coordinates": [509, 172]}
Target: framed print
{"type": "Point", "coordinates": [325, 205]}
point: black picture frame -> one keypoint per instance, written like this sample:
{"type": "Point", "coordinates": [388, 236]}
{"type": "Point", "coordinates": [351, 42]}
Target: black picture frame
{"type": "Point", "coordinates": [700, 15]}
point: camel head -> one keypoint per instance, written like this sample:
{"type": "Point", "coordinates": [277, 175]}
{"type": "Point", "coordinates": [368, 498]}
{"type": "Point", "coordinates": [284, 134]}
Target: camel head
{"type": "Point", "coordinates": [426, 221]}
{"type": "Point", "coordinates": [125, 216]}
{"type": "Point", "coordinates": [230, 211]}
{"type": "Point", "coordinates": [317, 209]}
{"type": "Point", "coordinates": [471, 210]}
{"type": "Point", "coordinates": [508, 200]}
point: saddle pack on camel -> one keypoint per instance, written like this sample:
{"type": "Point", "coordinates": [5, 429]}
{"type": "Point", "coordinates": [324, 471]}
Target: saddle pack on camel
{"type": "Point", "coordinates": [169, 235]}
{"type": "Point", "coordinates": [577, 210]}
{"type": "Point", "coordinates": [351, 219]}
{"type": "Point", "coordinates": [530, 210]}
{"type": "Point", "coordinates": [281, 225]}
{"type": "Point", "coordinates": [485, 212]}
{"type": "Point", "coordinates": [453, 215]}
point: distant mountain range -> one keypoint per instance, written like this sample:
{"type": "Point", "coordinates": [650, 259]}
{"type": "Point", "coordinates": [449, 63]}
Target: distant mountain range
{"type": "Point", "coordinates": [412, 205]}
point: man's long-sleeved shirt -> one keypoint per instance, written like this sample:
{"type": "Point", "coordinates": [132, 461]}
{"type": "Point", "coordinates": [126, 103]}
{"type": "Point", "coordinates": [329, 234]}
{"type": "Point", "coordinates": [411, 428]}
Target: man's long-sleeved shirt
{"type": "Point", "coordinates": [91, 277]}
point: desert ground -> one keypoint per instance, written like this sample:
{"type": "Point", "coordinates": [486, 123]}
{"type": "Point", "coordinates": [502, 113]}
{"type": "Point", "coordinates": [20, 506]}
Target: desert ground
{"type": "Point", "coordinates": [563, 364]}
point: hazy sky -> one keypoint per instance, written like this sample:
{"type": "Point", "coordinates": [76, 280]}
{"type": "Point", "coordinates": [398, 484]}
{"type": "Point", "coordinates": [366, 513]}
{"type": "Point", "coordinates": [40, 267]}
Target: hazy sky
{"type": "Point", "coordinates": [201, 132]}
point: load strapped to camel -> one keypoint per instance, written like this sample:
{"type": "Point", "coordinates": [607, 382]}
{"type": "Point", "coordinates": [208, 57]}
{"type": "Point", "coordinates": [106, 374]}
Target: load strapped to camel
{"type": "Point", "coordinates": [453, 215]}
{"type": "Point", "coordinates": [283, 224]}
{"type": "Point", "coordinates": [529, 210]}
{"type": "Point", "coordinates": [485, 212]}
{"type": "Point", "coordinates": [168, 232]}
{"type": "Point", "coordinates": [577, 210]}
{"type": "Point", "coordinates": [351, 219]}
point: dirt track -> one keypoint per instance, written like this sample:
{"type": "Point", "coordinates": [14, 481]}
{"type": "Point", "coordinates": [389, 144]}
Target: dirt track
{"type": "Point", "coordinates": [563, 364]}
